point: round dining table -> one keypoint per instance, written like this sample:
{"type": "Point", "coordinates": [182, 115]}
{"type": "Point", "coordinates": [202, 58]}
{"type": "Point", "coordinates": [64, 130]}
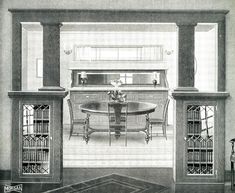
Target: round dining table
{"type": "Point", "coordinates": [135, 108]}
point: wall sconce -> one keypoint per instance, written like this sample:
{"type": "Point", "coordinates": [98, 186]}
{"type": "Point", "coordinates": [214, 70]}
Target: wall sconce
{"type": "Point", "coordinates": [83, 77]}
{"type": "Point", "coordinates": [156, 78]}
{"type": "Point", "coordinates": [68, 52]}
{"type": "Point", "coordinates": [68, 49]}
{"type": "Point", "coordinates": [169, 52]}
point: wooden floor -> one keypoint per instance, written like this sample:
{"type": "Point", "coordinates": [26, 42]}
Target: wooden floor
{"type": "Point", "coordinates": [161, 176]}
{"type": "Point", "coordinates": [97, 153]}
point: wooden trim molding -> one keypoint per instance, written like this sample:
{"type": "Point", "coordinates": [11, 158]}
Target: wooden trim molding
{"type": "Point", "coordinates": [37, 94]}
{"type": "Point", "coordinates": [199, 95]}
{"type": "Point", "coordinates": [104, 15]}
{"type": "Point", "coordinates": [5, 175]}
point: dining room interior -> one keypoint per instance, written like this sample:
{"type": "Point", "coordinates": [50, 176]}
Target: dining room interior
{"type": "Point", "coordinates": [143, 57]}
{"type": "Point", "coordinates": [132, 99]}
{"type": "Point", "coordinates": [130, 52]}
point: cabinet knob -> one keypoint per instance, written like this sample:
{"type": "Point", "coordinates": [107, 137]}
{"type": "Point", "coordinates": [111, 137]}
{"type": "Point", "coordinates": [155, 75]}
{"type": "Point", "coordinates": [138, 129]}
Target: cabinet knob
{"type": "Point", "coordinates": [50, 138]}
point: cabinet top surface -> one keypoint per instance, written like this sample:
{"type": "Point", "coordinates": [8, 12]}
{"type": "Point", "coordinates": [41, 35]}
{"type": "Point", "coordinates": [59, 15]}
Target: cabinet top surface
{"type": "Point", "coordinates": [124, 67]}
{"type": "Point", "coordinates": [37, 93]}
{"type": "Point", "coordinates": [197, 94]}
{"type": "Point", "coordinates": [108, 88]}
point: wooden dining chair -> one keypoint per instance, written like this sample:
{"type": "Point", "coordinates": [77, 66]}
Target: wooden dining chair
{"type": "Point", "coordinates": [117, 113]}
{"type": "Point", "coordinates": [160, 121]}
{"type": "Point", "coordinates": [74, 121]}
{"type": "Point", "coordinates": [232, 160]}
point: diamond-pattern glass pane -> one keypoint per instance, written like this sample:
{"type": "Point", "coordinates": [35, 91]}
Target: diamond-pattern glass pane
{"type": "Point", "coordinates": [35, 139]}
{"type": "Point", "coordinates": [200, 139]}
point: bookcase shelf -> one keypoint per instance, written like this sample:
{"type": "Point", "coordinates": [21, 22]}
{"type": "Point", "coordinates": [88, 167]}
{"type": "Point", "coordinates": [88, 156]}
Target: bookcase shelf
{"type": "Point", "coordinates": [203, 148]}
{"type": "Point", "coordinates": [33, 134]}
{"type": "Point", "coordinates": [35, 147]}
{"type": "Point", "coordinates": [37, 162]}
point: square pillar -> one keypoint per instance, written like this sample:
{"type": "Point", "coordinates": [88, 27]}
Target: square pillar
{"type": "Point", "coordinates": [186, 56]}
{"type": "Point", "coordinates": [51, 56]}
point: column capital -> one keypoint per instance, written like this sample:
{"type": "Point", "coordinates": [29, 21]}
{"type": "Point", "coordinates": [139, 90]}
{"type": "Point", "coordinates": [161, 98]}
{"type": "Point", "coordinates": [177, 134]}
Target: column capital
{"type": "Point", "coordinates": [185, 89]}
{"type": "Point", "coordinates": [186, 24]}
{"type": "Point", "coordinates": [51, 88]}
{"type": "Point", "coordinates": [52, 23]}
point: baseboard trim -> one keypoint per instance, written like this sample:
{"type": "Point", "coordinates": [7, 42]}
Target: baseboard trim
{"type": "Point", "coordinates": [5, 175]}
{"type": "Point", "coordinates": [201, 183]}
{"type": "Point", "coordinates": [227, 175]}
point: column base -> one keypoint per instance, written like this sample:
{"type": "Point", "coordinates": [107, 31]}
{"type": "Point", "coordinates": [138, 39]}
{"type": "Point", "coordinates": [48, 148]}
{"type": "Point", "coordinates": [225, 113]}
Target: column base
{"type": "Point", "coordinates": [185, 89]}
{"type": "Point", "coordinates": [51, 88]}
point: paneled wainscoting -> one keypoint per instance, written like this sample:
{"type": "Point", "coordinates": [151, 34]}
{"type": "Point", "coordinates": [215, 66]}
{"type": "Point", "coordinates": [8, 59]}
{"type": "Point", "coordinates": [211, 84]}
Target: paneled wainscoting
{"type": "Point", "coordinates": [97, 153]}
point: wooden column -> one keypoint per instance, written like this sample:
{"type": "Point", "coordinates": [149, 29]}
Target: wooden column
{"type": "Point", "coordinates": [221, 71]}
{"type": "Point", "coordinates": [16, 54]}
{"type": "Point", "coordinates": [51, 56]}
{"type": "Point", "coordinates": [186, 56]}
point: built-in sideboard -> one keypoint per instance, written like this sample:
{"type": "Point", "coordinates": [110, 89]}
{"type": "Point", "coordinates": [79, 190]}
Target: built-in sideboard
{"type": "Point", "coordinates": [138, 85]}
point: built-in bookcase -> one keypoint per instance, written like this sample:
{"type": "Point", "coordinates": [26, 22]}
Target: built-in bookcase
{"type": "Point", "coordinates": [200, 139]}
{"type": "Point", "coordinates": [36, 139]}
{"type": "Point", "coordinates": [37, 136]}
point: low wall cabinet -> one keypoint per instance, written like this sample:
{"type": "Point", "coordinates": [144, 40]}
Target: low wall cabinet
{"type": "Point", "coordinates": [199, 138]}
{"type": "Point", "coordinates": [37, 136]}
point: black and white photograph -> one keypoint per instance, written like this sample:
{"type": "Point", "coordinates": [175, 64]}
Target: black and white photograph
{"type": "Point", "coordinates": [120, 96]}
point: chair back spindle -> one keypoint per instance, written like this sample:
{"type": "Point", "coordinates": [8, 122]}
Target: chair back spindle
{"type": "Point", "coordinates": [117, 114]}
{"type": "Point", "coordinates": [160, 121]}
{"type": "Point", "coordinates": [74, 121]}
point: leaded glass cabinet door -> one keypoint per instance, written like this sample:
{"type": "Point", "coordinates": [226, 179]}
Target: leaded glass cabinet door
{"type": "Point", "coordinates": [200, 139]}
{"type": "Point", "coordinates": [35, 140]}
{"type": "Point", "coordinates": [37, 137]}
{"type": "Point", "coordinates": [36, 155]}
